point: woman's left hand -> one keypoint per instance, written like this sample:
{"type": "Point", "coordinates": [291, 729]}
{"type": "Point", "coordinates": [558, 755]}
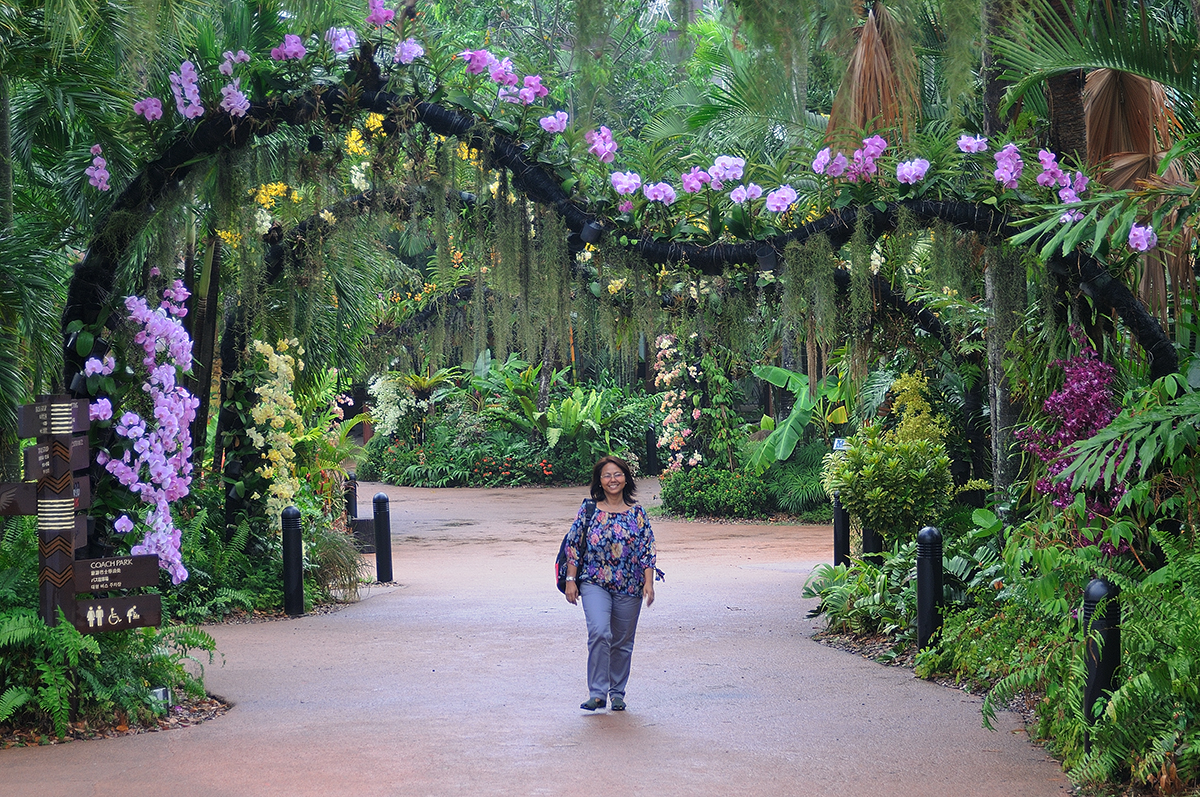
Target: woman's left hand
{"type": "Point", "coordinates": [648, 585]}
{"type": "Point", "coordinates": [649, 593]}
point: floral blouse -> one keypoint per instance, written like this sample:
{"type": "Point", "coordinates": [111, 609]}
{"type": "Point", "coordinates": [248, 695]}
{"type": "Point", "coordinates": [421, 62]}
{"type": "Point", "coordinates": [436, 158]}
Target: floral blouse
{"type": "Point", "coordinates": [620, 546]}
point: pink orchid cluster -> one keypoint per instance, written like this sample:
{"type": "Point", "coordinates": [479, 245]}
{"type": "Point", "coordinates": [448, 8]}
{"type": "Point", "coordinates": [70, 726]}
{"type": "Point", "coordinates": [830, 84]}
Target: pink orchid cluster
{"type": "Point", "coordinates": [233, 100]}
{"type": "Point", "coordinates": [556, 123]}
{"type": "Point", "coordinates": [1142, 239]}
{"type": "Point", "coordinates": [377, 14]}
{"type": "Point", "coordinates": [341, 40]}
{"type": "Point", "coordinates": [726, 168]}
{"type": "Point", "coordinates": [600, 143]}
{"type": "Point", "coordinates": [861, 165]}
{"type": "Point", "coordinates": [744, 193]}
{"type": "Point", "coordinates": [826, 163]}
{"type": "Point", "coordinates": [502, 74]}
{"type": "Point", "coordinates": [781, 198]}
{"type": "Point", "coordinates": [162, 452]}
{"type": "Point", "coordinates": [912, 172]}
{"type": "Point", "coordinates": [694, 180]}
{"type": "Point", "coordinates": [1008, 166]}
{"type": "Point", "coordinates": [97, 173]}
{"type": "Point", "coordinates": [625, 182]}
{"type": "Point", "coordinates": [291, 49]}
{"type": "Point", "coordinates": [1069, 189]}
{"type": "Point", "coordinates": [185, 85]}
{"type": "Point", "coordinates": [660, 192]}
{"type": "Point", "coordinates": [1081, 408]}
{"type": "Point", "coordinates": [408, 51]}
{"type": "Point", "coordinates": [226, 67]}
{"type": "Point", "coordinates": [101, 408]}
{"type": "Point", "coordinates": [151, 108]}
{"type": "Point", "coordinates": [972, 144]}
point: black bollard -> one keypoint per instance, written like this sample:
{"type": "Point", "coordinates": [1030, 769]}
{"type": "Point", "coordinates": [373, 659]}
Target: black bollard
{"type": "Point", "coordinates": [383, 539]}
{"type": "Point", "coordinates": [929, 585]}
{"type": "Point", "coordinates": [841, 532]}
{"type": "Point", "coordinates": [872, 547]}
{"type": "Point", "coordinates": [653, 468]}
{"type": "Point", "coordinates": [351, 497]}
{"type": "Point", "coordinates": [1103, 656]}
{"type": "Point", "coordinates": [293, 563]}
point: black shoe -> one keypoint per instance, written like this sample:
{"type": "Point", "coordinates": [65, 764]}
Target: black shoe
{"type": "Point", "coordinates": [618, 703]}
{"type": "Point", "coordinates": [592, 704]}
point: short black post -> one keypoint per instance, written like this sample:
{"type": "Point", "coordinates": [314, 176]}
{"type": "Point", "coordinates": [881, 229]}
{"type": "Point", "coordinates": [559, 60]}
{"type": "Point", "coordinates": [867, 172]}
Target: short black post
{"type": "Point", "coordinates": [653, 468]}
{"type": "Point", "coordinates": [841, 532]}
{"type": "Point", "coordinates": [1103, 655]}
{"type": "Point", "coordinates": [293, 563]}
{"type": "Point", "coordinates": [872, 547]}
{"type": "Point", "coordinates": [929, 585]}
{"type": "Point", "coordinates": [383, 539]}
{"type": "Point", "coordinates": [352, 497]}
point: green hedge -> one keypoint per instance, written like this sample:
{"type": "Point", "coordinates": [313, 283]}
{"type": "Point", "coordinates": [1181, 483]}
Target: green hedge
{"type": "Point", "coordinates": [714, 492]}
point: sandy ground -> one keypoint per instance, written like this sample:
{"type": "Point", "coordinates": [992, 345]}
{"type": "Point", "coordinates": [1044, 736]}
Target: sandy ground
{"type": "Point", "coordinates": [465, 678]}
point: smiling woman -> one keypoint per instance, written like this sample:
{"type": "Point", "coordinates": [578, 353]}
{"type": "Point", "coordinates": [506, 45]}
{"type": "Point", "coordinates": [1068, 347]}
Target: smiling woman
{"type": "Point", "coordinates": [611, 565]}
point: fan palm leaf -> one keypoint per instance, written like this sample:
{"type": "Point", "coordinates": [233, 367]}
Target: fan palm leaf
{"type": "Point", "coordinates": [1041, 45]}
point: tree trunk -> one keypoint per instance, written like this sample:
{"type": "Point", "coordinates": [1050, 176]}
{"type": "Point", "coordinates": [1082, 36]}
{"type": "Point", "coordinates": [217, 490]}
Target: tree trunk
{"type": "Point", "coordinates": [1004, 285]}
{"type": "Point", "coordinates": [994, 13]}
{"type": "Point", "coordinates": [205, 295]}
{"type": "Point", "coordinates": [1068, 129]}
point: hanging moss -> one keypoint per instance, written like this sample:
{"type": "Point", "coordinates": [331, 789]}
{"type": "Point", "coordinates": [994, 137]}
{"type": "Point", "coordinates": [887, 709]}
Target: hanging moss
{"type": "Point", "coordinates": [951, 259]}
{"type": "Point", "coordinates": [861, 302]}
{"type": "Point", "coordinates": [896, 248]}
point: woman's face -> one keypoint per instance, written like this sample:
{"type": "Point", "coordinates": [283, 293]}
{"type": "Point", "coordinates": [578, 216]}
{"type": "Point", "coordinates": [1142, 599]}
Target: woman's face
{"type": "Point", "coordinates": [612, 479]}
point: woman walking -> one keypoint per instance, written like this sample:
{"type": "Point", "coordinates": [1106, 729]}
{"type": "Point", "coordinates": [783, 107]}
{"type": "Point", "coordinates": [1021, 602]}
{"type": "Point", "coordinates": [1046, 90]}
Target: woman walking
{"type": "Point", "coordinates": [612, 567]}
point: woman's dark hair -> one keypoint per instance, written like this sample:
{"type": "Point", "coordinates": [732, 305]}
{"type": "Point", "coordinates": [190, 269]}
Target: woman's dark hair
{"type": "Point", "coordinates": [630, 485]}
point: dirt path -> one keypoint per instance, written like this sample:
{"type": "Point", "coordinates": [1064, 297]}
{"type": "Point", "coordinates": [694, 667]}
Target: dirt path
{"type": "Point", "coordinates": [466, 678]}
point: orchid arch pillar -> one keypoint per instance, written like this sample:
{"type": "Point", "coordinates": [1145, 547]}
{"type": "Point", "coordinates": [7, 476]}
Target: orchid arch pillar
{"type": "Point", "coordinates": [1004, 290]}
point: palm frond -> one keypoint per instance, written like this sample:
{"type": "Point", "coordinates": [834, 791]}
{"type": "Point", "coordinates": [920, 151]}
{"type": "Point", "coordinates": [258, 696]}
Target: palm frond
{"type": "Point", "coordinates": [1040, 45]}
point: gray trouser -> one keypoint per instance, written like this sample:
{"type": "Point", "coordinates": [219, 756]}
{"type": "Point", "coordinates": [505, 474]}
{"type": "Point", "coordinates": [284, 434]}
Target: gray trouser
{"type": "Point", "coordinates": [611, 623]}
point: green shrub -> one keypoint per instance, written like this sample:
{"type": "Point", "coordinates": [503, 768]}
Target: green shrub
{"type": "Point", "coordinates": [714, 492]}
{"type": "Point", "coordinates": [894, 487]}
{"type": "Point", "coordinates": [796, 485]}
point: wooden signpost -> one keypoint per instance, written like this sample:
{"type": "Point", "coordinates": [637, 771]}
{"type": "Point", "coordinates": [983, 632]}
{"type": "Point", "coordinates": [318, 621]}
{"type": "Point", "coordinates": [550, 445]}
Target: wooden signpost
{"type": "Point", "coordinates": [55, 493]}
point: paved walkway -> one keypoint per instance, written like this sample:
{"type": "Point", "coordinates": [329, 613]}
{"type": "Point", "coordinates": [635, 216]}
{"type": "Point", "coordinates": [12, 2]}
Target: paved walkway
{"type": "Point", "coordinates": [465, 680]}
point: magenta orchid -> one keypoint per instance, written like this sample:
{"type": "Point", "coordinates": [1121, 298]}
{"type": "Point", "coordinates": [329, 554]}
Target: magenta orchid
{"type": "Point", "coordinates": [1142, 239]}
{"type": "Point", "coordinates": [693, 181]}
{"type": "Point", "coordinates": [625, 182]}
{"type": "Point", "coordinates": [781, 198]}
{"type": "Point", "coordinates": [97, 173]}
{"type": "Point", "coordinates": [745, 192]}
{"type": "Point", "coordinates": [478, 61]}
{"type": "Point", "coordinates": [408, 51]}
{"type": "Point", "coordinates": [912, 172]}
{"type": "Point", "coordinates": [377, 14]}
{"type": "Point", "coordinates": [341, 40]}
{"type": "Point", "coordinates": [1008, 166]}
{"type": "Point", "coordinates": [151, 108]}
{"type": "Point", "coordinates": [600, 143]}
{"type": "Point", "coordinates": [185, 85]}
{"type": "Point", "coordinates": [233, 100]}
{"type": "Point", "coordinates": [556, 123]}
{"type": "Point", "coordinates": [533, 90]}
{"type": "Point", "coordinates": [660, 192]}
{"type": "Point", "coordinates": [100, 410]}
{"type": "Point", "coordinates": [161, 453]}
{"type": "Point", "coordinates": [291, 49]}
{"type": "Point", "coordinates": [972, 144]}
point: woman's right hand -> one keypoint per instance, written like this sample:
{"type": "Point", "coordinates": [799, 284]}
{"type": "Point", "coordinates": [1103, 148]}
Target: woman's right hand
{"type": "Point", "coordinates": [572, 592]}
